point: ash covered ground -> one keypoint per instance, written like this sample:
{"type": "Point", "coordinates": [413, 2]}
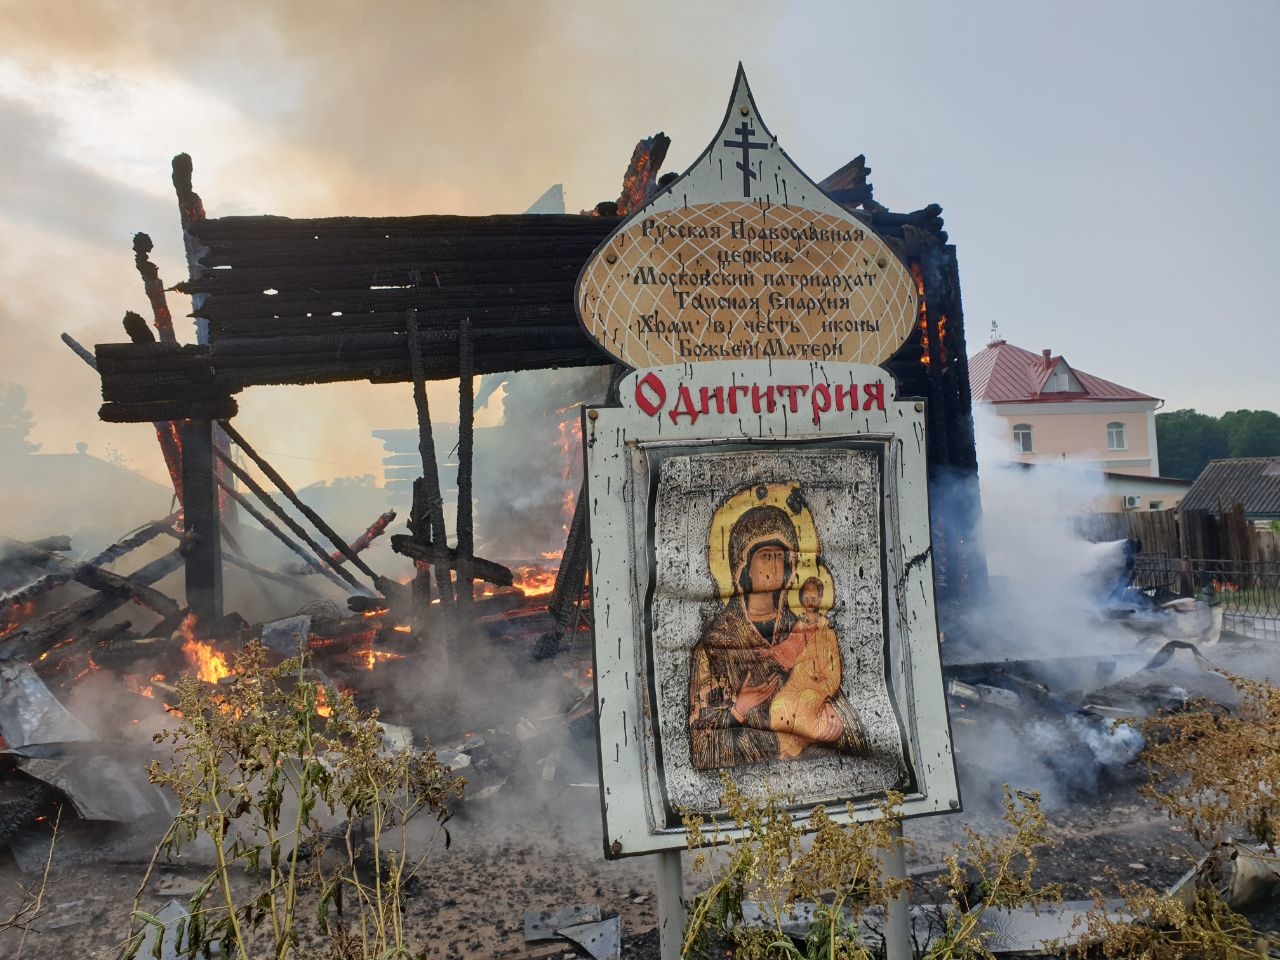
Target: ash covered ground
{"type": "Point", "coordinates": [528, 837]}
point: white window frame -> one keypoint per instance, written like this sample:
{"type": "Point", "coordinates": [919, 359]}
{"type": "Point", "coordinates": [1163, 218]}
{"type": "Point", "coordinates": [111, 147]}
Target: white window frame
{"type": "Point", "coordinates": [1023, 441]}
{"type": "Point", "coordinates": [1113, 428]}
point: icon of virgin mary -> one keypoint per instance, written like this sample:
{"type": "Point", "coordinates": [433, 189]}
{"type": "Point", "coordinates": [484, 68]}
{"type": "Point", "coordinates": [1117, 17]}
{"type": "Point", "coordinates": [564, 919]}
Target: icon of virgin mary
{"type": "Point", "coordinates": [760, 539]}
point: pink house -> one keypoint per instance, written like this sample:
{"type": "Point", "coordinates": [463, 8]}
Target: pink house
{"type": "Point", "coordinates": [1055, 412]}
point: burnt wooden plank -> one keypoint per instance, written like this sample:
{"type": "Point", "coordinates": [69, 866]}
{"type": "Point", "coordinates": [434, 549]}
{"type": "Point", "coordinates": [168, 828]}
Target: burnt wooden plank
{"type": "Point", "coordinates": [202, 538]}
{"type": "Point", "coordinates": [495, 573]}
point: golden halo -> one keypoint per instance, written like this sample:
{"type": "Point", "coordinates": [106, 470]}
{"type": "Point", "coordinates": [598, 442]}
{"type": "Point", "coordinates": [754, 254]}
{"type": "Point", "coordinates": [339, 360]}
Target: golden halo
{"type": "Point", "coordinates": [774, 495]}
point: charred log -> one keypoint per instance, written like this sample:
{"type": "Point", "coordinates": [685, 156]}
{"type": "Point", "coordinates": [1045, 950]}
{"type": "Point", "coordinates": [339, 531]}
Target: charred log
{"type": "Point", "coordinates": [89, 574]}
{"type": "Point", "coordinates": [36, 637]}
{"type": "Point", "coordinates": [481, 569]}
{"type": "Point", "coordinates": [381, 583]}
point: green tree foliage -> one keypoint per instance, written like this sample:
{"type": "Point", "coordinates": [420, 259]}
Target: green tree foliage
{"type": "Point", "coordinates": [15, 421]}
{"type": "Point", "coordinates": [1187, 441]}
{"type": "Point", "coordinates": [1252, 433]}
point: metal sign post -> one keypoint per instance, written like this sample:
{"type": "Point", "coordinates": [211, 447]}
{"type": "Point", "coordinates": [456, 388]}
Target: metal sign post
{"type": "Point", "coordinates": [671, 913]}
{"type": "Point", "coordinates": [761, 567]}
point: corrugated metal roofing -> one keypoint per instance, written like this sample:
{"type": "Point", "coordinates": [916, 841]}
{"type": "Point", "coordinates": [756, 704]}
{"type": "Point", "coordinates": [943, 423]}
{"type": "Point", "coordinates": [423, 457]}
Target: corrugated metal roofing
{"type": "Point", "coordinates": [1003, 373]}
{"type": "Point", "coordinates": [1253, 482]}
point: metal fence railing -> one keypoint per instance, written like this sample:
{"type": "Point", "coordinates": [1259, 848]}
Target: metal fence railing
{"type": "Point", "coordinates": [1249, 592]}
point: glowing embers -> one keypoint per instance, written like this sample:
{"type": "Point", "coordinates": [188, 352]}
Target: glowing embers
{"type": "Point", "coordinates": [143, 688]}
{"type": "Point", "coordinates": [15, 616]}
{"type": "Point", "coordinates": [534, 581]}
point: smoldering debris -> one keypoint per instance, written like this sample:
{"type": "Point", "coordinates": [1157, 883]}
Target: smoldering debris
{"type": "Point", "coordinates": [1244, 875]}
{"type": "Point", "coordinates": [1174, 677]}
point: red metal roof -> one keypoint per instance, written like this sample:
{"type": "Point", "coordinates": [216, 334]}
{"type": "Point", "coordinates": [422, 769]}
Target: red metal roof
{"type": "Point", "coordinates": [1003, 373]}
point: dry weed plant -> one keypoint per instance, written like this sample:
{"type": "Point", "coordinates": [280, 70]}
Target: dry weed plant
{"type": "Point", "coordinates": [1155, 926]}
{"type": "Point", "coordinates": [33, 907]}
{"type": "Point", "coordinates": [255, 761]}
{"type": "Point", "coordinates": [1217, 773]}
{"type": "Point", "coordinates": [838, 875]}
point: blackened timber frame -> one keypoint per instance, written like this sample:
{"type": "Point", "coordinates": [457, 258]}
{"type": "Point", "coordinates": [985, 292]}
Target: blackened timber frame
{"type": "Point", "coordinates": [297, 301]}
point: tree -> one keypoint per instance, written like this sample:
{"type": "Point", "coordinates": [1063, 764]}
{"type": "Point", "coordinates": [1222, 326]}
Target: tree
{"type": "Point", "coordinates": [1188, 440]}
{"type": "Point", "coordinates": [15, 421]}
{"type": "Point", "coordinates": [1252, 433]}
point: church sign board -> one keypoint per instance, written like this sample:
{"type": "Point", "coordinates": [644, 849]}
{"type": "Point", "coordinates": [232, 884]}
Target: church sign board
{"type": "Point", "coordinates": [761, 574]}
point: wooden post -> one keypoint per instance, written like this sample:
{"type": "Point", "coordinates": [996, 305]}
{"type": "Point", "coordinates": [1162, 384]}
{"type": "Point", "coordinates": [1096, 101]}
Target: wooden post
{"type": "Point", "coordinates": [203, 538]}
{"type": "Point", "coordinates": [190, 213]}
{"type": "Point", "coordinates": [466, 456]}
{"type": "Point", "coordinates": [427, 451]}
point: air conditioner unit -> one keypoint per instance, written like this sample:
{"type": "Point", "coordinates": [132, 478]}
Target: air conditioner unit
{"type": "Point", "coordinates": [1132, 502]}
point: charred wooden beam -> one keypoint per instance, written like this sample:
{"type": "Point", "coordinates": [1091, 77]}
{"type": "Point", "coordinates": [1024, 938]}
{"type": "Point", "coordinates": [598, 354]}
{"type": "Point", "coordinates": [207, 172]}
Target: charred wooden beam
{"type": "Point", "coordinates": [154, 289]}
{"type": "Point", "coordinates": [279, 534]}
{"type": "Point", "coordinates": [850, 186]}
{"type": "Point", "coordinates": [270, 502]}
{"type": "Point", "coordinates": [166, 431]}
{"type": "Point", "coordinates": [136, 329]}
{"type": "Point", "coordinates": [359, 544]}
{"type": "Point", "coordinates": [134, 540]}
{"type": "Point", "coordinates": [202, 540]}
{"type": "Point", "coordinates": [80, 350]}
{"type": "Point", "coordinates": [466, 454]}
{"type": "Point", "coordinates": [40, 634]}
{"type": "Point", "coordinates": [481, 569]}
{"type": "Point", "coordinates": [68, 659]}
{"type": "Point", "coordinates": [59, 543]}
{"type": "Point", "coordinates": [385, 586]}
{"type": "Point", "coordinates": [428, 506]}
{"type": "Point", "coordinates": [89, 574]}
{"type": "Point", "coordinates": [640, 181]}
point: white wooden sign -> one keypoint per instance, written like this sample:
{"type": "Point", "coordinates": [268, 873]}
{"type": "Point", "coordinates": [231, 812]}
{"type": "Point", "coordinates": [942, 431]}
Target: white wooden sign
{"type": "Point", "coordinates": [762, 595]}
{"type": "Point", "coordinates": [761, 572]}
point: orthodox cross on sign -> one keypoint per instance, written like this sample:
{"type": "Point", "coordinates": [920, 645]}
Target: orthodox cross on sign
{"type": "Point", "coordinates": [746, 144]}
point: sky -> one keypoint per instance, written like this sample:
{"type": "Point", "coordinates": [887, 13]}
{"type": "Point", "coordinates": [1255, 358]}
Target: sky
{"type": "Point", "coordinates": [1106, 169]}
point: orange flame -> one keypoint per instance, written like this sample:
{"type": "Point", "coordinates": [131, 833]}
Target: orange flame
{"type": "Point", "coordinates": [18, 613]}
{"type": "Point", "coordinates": [210, 666]}
{"type": "Point", "coordinates": [568, 442]}
{"type": "Point", "coordinates": [322, 702]}
{"type": "Point", "coordinates": [918, 275]}
{"type": "Point", "coordinates": [534, 581]}
{"type": "Point", "coordinates": [373, 657]}
{"type": "Point", "coordinates": [134, 683]}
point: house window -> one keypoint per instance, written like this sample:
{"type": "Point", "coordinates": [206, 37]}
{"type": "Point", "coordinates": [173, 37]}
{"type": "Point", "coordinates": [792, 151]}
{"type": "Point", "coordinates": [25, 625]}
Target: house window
{"type": "Point", "coordinates": [1022, 438]}
{"type": "Point", "coordinates": [1062, 380]}
{"type": "Point", "coordinates": [1156, 504]}
{"type": "Point", "coordinates": [1115, 436]}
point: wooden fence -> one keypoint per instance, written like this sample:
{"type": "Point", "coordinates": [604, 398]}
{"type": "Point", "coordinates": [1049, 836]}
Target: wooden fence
{"type": "Point", "coordinates": [1189, 535]}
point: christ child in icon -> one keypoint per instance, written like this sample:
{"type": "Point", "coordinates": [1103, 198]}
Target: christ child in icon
{"type": "Point", "coordinates": [802, 712]}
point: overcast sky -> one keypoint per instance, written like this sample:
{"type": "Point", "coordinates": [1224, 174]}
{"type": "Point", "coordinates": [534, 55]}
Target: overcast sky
{"type": "Point", "coordinates": [1106, 169]}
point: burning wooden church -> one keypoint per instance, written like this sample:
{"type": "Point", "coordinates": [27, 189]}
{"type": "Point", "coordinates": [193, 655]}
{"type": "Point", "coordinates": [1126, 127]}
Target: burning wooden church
{"type": "Point", "coordinates": [412, 299]}
{"type": "Point", "coordinates": [394, 299]}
